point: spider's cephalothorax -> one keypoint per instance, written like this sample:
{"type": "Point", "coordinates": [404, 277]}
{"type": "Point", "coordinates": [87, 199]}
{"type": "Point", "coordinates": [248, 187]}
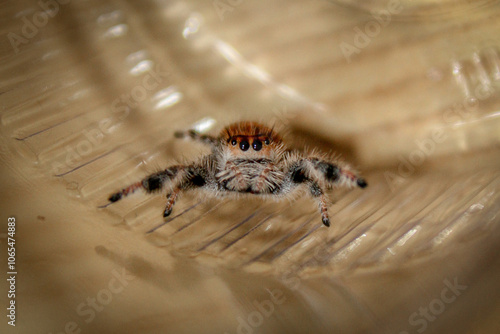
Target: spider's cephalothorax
{"type": "Point", "coordinates": [248, 157]}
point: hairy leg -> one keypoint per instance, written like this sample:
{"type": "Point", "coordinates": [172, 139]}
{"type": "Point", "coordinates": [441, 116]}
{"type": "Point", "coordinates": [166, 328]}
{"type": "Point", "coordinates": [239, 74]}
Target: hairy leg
{"type": "Point", "coordinates": [178, 178]}
{"type": "Point", "coordinates": [297, 177]}
{"type": "Point", "coordinates": [318, 174]}
{"type": "Point", "coordinates": [195, 177]}
{"type": "Point", "coordinates": [196, 136]}
{"type": "Point", "coordinates": [332, 173]}
{"type": "Point", "coordinates": [171, 198]}
{"type": "Point", "coordinates": [151, 183]}
{"type": "Point", "coordinates": [320, 196]}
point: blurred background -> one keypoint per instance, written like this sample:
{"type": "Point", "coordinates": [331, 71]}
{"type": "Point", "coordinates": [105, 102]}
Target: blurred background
{"type": "Point", "coordinates": [91, 93]}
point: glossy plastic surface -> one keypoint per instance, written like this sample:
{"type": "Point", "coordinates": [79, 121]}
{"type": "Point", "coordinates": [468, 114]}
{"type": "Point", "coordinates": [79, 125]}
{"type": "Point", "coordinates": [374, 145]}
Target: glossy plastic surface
{"type": "Point", "coordinates": [91, 99]}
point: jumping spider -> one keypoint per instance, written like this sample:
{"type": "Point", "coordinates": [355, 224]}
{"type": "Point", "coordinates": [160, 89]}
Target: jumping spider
{"type": "Point", "coordinates": [248, 157]}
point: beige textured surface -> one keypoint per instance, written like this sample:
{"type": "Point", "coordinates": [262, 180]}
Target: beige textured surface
{"type": "Point", "coordinates": [416, 109]}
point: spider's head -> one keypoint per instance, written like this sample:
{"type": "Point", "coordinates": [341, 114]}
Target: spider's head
{"type": "Point", "coordinates": [251, 139]}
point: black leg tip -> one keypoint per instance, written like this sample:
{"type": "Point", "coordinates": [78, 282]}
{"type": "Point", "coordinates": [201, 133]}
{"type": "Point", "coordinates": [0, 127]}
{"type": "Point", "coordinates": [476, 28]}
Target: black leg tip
{"type": "Point", "coordinates": [167, 213]}
{"type": "Point", "coordinates": [179, 134]}
{"type": "Point", "coordinates": [362, 183]}
{"type": "Point", "coordinates": [326, 222]}
{"type": "Point", "coordinates": [115, 197]}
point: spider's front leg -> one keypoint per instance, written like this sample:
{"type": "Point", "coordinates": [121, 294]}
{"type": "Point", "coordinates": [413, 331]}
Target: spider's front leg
{"type": "Point", "coordinates": [195, 176]}
{"type": "Point", "coordinates": [297, 175]}
{"type": "Point", "coordinates": [179, 178]}
{"type": "Point", "coordinates": [319, 174]}
{"type": "Point", "coordinates": [331, 173]}
{"type": "Point", "coordinates": [320, 196]}
{"type": "Point", "coordinates": [171, 198]}
{"type": "Point", "coordinates": [151, 183]}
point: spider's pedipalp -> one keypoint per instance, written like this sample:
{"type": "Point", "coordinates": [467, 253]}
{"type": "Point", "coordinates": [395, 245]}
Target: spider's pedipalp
{"type": "Point", "coordinates": [231, 178]}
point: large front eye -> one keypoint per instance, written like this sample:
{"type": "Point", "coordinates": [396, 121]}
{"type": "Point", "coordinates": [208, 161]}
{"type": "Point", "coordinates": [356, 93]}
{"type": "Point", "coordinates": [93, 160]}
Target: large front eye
{"type": "Point", "coordinates": [257, 145]}
{"type": "Point", "coordinates": [234, 142]}
{"type": "Point", "coordinates": [244, 145]}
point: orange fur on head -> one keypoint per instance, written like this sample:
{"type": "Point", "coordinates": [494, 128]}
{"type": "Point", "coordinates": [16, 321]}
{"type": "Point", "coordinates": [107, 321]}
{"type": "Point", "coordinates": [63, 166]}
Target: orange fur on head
{"type": "Point", "coordinates": [250, 132]}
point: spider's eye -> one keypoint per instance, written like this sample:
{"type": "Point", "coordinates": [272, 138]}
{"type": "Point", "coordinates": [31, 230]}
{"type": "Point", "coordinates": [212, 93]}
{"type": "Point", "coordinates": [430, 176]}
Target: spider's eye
{"type": "Point", "coordinates": [234, 142]}
{"type": "Point", "coordinates": [257, 145]}
{"type": "Point", "coordinates": [266, 141]}
{"type": "Point", "coordinates": [244, 145]}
